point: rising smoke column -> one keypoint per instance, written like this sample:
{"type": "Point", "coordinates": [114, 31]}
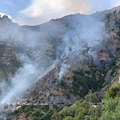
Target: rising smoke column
{"type": "Point", "coordinates": [85, 33]}
{"type": "Point", "coordinates": [33, 57]}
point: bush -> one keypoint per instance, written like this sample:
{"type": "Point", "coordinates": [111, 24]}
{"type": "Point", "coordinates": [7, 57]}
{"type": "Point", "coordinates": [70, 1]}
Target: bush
{"type": "Point", "coordinates": [86, 83]}
{"type": "Point", "coordinates": [111, 110]}
{"type": "Point", "coordinates": [47, 116]}
{"type": "Point", "coordinates": [27, 115]}
{"type": "Point", "coordinates": [113, 92]}
{"type": "Point", "coordinates": [68, 118]}
{"type": "Point", "coordinates": [26, 109]}
{"type": "Point", "coordinates": [92, 98]}
{"type": "Point", "coordinates": [82, 110]}
{"type": "Point", "coordinates": [55, 116]}
{"type": "Point", "coordinates": [35, 113]}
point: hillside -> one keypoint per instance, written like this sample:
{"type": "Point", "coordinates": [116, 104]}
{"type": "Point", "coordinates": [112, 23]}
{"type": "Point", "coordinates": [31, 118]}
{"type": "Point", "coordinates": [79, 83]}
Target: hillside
{"type": "Point", "coordinates": [85, 72]}
{"type": "Point", "coordinates": [50, 66]}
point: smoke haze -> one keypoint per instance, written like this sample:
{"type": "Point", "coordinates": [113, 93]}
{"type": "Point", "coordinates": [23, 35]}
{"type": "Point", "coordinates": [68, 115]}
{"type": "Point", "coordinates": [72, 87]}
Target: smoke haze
{"type": "Point", "coordinates": [42, 11]}
{"type": "Point", "coordinates": [84, 36]}
{"type": "Point", "coordinates": [65, 40]}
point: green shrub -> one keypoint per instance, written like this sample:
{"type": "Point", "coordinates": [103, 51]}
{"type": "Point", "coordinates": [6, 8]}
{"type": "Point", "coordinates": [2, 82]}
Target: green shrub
{"type": "Point", "coordinates": [26, 109]}
{"type": "Point", "coordinates": [113, 92]}
{"type": "Point", "coordinates": [47, 116]}
{"type": "Point", "coordinates": [20, 110]}
{"type": "Point", "coordinates": [27, 115]}
{"type": "Point", "coordinates": [92, 98]}
{"type": "Point", "coordinates": [55, 116]}
{"type": "Point", "coordinates": [82, 110]}
{"type": "Point", "coordinates": [86, 83]}
{"type": "Point", "coordinates": [68, 118]}
{"type": "Point", "coordinates": [35, 113]}
{"type": "Point", "coordinates": [111, 110]}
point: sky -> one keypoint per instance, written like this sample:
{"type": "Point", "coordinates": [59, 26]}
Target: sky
{"type": "Point", "coordinates": [33, 12]}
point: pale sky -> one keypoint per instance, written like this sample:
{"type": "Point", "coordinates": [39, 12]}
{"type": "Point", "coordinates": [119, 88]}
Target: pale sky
{"type": "Point", "coordinates": [32, 12]}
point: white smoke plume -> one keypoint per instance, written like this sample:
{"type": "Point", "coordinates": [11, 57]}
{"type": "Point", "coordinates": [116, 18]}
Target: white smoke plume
{"type": "Point", "coordinates": [63, 69]}
{"type": "Point", "coordinates": [85, 34]}
{"type": "Point", "coordinates": [33, 57]}
{"type": "Point", "coordinates": [23, 79]}
{"type": "Point", "coordinates": [42, 11]}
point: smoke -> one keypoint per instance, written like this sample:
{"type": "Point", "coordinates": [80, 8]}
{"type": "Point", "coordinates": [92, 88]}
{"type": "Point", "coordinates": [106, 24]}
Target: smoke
{"type": "Point", "coordinates": [63, 69]}
{"type": "Point", "coordinates": [84, 37]}
{"type": "Point", "coordinates": [30, 48]}
{"type": "Point", "coordinates": [23, 79]}
{"type": "Point", "coordinates": [42, 11]}
{"type": "Point", "coordinates": [66, 40]}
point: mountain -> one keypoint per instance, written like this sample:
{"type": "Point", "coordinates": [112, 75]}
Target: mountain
{"type": "Point", "coordinates": [52, 65]}
{"type": "Point", "coordinates": [86, 71]}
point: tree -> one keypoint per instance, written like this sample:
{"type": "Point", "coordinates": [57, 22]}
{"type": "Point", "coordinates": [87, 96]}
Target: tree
{"type": "Point", "coordinates": [92, 98]}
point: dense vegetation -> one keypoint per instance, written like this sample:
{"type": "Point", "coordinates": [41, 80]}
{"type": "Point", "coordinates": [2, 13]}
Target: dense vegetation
{"type": "Point", "coordinates": [86, 80]}
{"type": "Point", "coordinates": [108, 109]}
{"type": "Point", "coordinates": [36, 112]}
{"type": "Point", "coordinates": [83, 82]}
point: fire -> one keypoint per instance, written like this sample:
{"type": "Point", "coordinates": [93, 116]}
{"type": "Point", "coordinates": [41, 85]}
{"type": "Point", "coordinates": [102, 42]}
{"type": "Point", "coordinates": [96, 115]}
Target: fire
{"type": "Point", "coordinates": [93, 68]}
{"type": "Point", "coordinates": [102, 74]}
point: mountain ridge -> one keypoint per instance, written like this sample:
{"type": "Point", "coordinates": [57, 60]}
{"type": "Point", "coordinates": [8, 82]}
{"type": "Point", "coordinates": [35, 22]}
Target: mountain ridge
{"type": "Point", "coordinates": [62, 60]}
